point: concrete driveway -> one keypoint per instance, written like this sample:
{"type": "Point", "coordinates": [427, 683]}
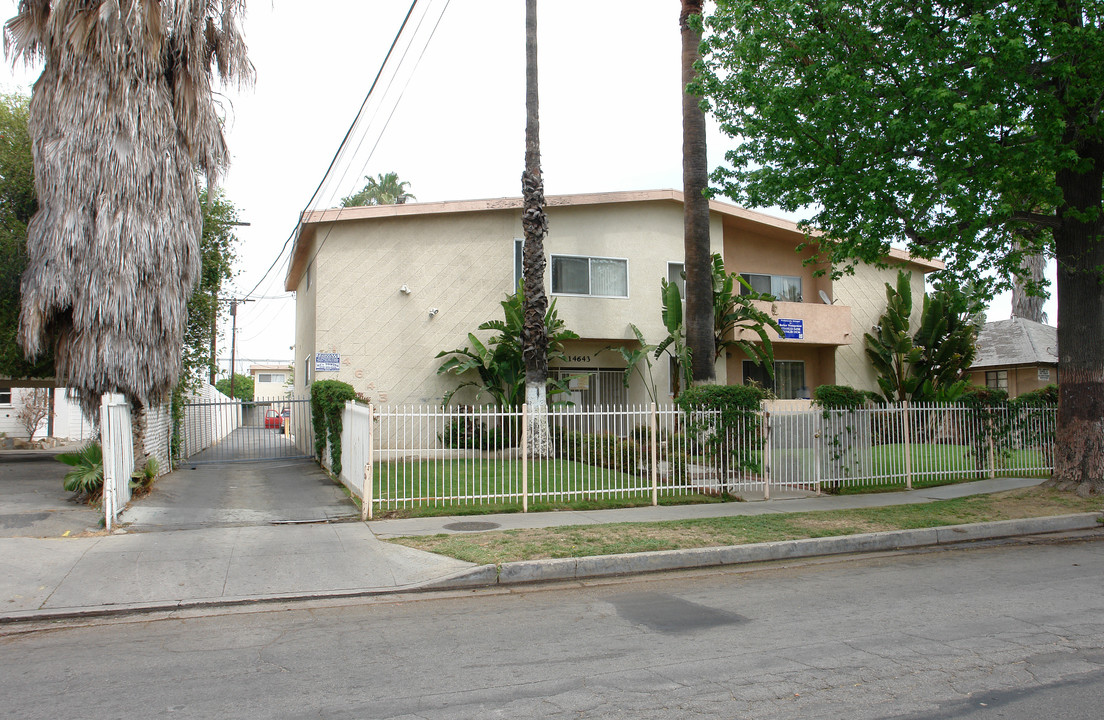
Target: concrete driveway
{"type": "Point", "coordinates": [240, 494]}
{"type": "Point", "coordinates": [33, 502]}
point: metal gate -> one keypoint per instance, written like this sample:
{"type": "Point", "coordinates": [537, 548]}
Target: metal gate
{"type": "Point", "coordinates": [247, 431]}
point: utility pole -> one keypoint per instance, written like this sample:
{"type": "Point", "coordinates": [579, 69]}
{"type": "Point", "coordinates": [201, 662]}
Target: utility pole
{"type": "Point", "coordinates": [234, 338]}
{"type": "Point", "coordinates": [214, 310]}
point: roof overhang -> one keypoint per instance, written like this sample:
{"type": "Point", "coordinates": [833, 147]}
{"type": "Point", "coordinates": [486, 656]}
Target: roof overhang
{"type": "Point", "coordinates": [303, 250]}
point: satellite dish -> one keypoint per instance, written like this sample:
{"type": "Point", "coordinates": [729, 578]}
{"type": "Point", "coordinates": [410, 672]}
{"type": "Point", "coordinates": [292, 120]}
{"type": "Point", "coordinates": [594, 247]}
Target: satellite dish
{"type": "Point", "coordinates": [824, 297]}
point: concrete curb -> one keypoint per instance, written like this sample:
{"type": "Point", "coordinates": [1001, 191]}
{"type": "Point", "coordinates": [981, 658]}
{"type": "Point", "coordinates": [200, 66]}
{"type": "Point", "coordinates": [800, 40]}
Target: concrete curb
{"type": "Point", "coordinates": [534, 571]}
{"type": "Point", "coordinates": [531, 571]}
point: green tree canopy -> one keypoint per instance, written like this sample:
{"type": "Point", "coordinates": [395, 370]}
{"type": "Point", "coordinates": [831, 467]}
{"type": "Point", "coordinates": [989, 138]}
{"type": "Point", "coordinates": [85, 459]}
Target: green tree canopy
{"type": "Point", "coordinates": [951, 126]}
{"type": "Point", "coordinates": [17, 206]}
{"type": "Point", "coordinates": [217, 256]}
{"type": "Point", "coordinates": [384, 189]}
{"type": "Point", "coordinates": [243, 387]}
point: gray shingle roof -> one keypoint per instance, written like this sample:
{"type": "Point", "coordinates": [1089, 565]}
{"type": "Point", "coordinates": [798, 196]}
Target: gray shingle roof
{"type": "Point", "coordinates": [1016, 342]}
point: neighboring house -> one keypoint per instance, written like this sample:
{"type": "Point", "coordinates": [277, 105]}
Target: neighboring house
{"type": "Point", "coordinates": [69, 421]}
{"type": "Point", "coordinates": [269, 381]}
{"type": "Point", "coordinates": [381, 290]}
{"type": "Point", "coordinates": [1016, 355]}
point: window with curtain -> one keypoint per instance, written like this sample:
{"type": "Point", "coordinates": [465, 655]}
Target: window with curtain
{"type": "Point", "coordinates": [601, 277]}
{"type": "Point", "coordinates": [676, 274]}
{"type": "Point", "coordinates": [788, 382]}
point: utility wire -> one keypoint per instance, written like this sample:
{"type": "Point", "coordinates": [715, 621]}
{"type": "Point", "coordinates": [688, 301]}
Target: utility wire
{"type": "Point", "coordinates": [340, 147]}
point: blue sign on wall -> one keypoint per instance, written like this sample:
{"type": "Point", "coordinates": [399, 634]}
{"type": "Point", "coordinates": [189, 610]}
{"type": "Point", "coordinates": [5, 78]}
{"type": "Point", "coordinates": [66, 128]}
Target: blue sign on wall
{"type": "Point", "coordinates": [792, 329]}
{"type": "Point", "coordinates": [327, 362]}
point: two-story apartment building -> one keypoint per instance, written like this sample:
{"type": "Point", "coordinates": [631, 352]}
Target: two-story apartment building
{"type": "Point", "coordinates": [381, 290]}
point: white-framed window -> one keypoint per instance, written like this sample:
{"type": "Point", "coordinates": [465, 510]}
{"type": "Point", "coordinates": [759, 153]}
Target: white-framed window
{"type": "Point", "coordinates": [676, 273]}
{"type": "Point", "coordinates": [996, 379]}
{"type": "Point", "coordinates": [788, 382]}
{"type": "Point", "coordinates": [271, 377]}
{"type": "Point", "coordinates": [590, 276]}
{"type": "Point", "coordinates": [784, 287]}
{"type": "Point", "coordinates": [5, 396]}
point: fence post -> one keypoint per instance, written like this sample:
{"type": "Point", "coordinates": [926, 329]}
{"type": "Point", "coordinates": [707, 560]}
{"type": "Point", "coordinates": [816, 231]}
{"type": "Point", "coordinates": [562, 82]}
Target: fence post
{"type": "Point", "coordinates": [369, 474]}
{"type": "Point", "coordinates": [818, 446]}
{"type": "Point", "coordinates": [908, 444]}
{"type": "Point", "coordinates": [525, 457]}
{"type": "Point", "coordinates": [766, 455]}
{"type": "Point", "coordinates": [655, 457]}
{"type": "Point", "coordinates": [992, 449]}
{"type": "Point", "coordinates": [107, 451]}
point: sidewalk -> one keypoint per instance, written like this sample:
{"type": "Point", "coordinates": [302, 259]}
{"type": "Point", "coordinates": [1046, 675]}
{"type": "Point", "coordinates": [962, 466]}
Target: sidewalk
{"type": "Point", "coordinates": [138, 571]}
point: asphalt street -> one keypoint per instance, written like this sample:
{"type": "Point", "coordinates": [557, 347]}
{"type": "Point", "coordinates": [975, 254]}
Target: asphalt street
{"type": "Point", "coordinates": [1010, 630]}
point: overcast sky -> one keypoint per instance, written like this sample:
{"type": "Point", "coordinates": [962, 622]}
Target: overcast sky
{"type": "Point", "coordinates": [454, 115]}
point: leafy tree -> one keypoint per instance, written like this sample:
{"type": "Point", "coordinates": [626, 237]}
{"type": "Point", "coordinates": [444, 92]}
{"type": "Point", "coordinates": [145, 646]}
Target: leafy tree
{"type": "Point", "coordinates": [951, 125]}
{"type": "Point", "coordinates": [17, 206]}
{"type": "Point", "coordinates": [243, 387]}
{"type": "Point", "coordinates": [384, 189]}
{"type": "Point", "coordinates": [121, 116]}
{"type": "Point", "coordinates": [217, 258]}
{"type": "Point", "coordinates": [695, 182]}
{"type": "Point", "coordinates": [499, 362]}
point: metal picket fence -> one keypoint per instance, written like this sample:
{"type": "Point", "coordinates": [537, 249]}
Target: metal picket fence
{"type": "Point", "coordinates": [413, 456]}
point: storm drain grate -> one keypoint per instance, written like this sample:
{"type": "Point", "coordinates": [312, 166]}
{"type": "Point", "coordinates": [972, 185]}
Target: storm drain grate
{"type": "Point", "coordinates": [471, 526]}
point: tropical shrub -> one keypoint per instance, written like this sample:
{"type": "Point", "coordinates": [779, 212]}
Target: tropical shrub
{"type": "Point", "coordinates": [839, 397]}
{"type": "Point", "coordinates": [726, 420]}
{"type": "Point", "coordinates": [498, 363]}
{"type": "Point", "coordinates": [86, 478]}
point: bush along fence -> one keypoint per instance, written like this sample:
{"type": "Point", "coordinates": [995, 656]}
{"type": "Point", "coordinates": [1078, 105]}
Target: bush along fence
{"type": "Point", "coordinates": [398, 458]}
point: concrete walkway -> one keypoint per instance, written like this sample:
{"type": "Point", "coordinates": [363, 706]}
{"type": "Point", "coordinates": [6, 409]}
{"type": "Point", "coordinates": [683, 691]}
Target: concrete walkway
{"type": "Point", "coordinates": [135, 571]}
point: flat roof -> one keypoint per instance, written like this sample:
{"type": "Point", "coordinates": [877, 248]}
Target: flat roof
{"type": "Point", "coordinates": [300, 253]}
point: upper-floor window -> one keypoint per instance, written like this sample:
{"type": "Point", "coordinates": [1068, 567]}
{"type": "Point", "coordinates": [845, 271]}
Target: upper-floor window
{"type": "Point", "coordinates": [5, 396]}
{"type": "Point", "coordinates": [271, 377]}
{"type": "Point", "coordinates": [996, 379]}
{"type": "Point", "coordinates": [519, 267]}
{"type": "Point", "coordinates": [594, 276]}
{"type": "Point", "coordinates": [783, 287]}
{"type": "Point", "coordinates": [676, 273]}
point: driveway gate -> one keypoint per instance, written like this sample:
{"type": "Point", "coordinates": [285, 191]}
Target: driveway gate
{"type": "Point", "coordinates": [247, 431]}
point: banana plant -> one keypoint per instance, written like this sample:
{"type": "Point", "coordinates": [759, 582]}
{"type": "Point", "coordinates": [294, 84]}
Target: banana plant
{"type": "Point", "coordinates": [498, 363]}
{"type": "Point", "coordinates": [734, 312]}
{"type": "Point", "coordinates": [675, 344]}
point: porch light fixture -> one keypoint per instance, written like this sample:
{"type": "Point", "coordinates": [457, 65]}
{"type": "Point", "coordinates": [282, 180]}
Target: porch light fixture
{"type": "Point", "coordinates": [433, 311]}
{"type": "Point", "coordinates": [404, 289]}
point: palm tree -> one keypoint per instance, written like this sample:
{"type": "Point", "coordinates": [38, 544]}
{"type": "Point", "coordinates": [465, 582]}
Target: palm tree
{"type": "Point", "coordinates": [121, 115]}
{"type": "Point", "coordinates": [384, 189]}
{"type": "Point", "coordinates": [695, 179]}
{"type": "Point", "coordinates": [534, 224]}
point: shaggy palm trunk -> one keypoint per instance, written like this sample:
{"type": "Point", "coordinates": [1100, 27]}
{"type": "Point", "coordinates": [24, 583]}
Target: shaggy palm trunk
{"type": "Point", "coordinates": [1079, 446]}
{"type": "Point", "coordinates": [534, 223]}
{"type": "Point", "coordinates": [695, 179]}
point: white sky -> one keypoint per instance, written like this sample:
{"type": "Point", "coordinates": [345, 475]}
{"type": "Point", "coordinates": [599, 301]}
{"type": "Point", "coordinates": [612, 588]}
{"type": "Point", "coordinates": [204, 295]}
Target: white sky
{"type": "Point", "coordinates": [610, 116]}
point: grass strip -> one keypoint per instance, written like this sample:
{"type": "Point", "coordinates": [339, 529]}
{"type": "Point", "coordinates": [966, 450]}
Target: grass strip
{"type": "Point", "coordinates": [587, 540]}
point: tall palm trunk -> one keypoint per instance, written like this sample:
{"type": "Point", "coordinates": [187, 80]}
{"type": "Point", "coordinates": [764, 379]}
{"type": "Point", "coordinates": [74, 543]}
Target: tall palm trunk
{"type": "Point", "coordinates": [535, 226]}
{"type": "Point", "coordinates": [695, 179]}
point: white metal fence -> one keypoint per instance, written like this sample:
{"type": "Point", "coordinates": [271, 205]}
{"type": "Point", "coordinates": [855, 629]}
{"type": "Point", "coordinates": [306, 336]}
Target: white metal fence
{"type": "Point", "coordinates": [403, 457]}
{"type": "Point", "coordinates": [118, 455]}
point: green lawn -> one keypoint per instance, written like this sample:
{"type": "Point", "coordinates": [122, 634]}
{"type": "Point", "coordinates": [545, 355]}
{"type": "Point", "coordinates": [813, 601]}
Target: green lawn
{"type": "Point", "coordinates": [472, 486]}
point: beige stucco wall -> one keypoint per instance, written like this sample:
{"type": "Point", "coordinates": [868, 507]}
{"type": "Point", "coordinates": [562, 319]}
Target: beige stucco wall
{"type": "Point", "coordinates": [865, 293]}
{"type": "Point", "coordinates": [305, 302]}
{"type": "Point", "coordinates": [462, 265]}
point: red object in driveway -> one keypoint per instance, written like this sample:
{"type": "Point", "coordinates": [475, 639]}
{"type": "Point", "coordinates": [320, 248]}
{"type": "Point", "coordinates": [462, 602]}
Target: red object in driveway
{"type": "Point", "coordinates": [273, 419]}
